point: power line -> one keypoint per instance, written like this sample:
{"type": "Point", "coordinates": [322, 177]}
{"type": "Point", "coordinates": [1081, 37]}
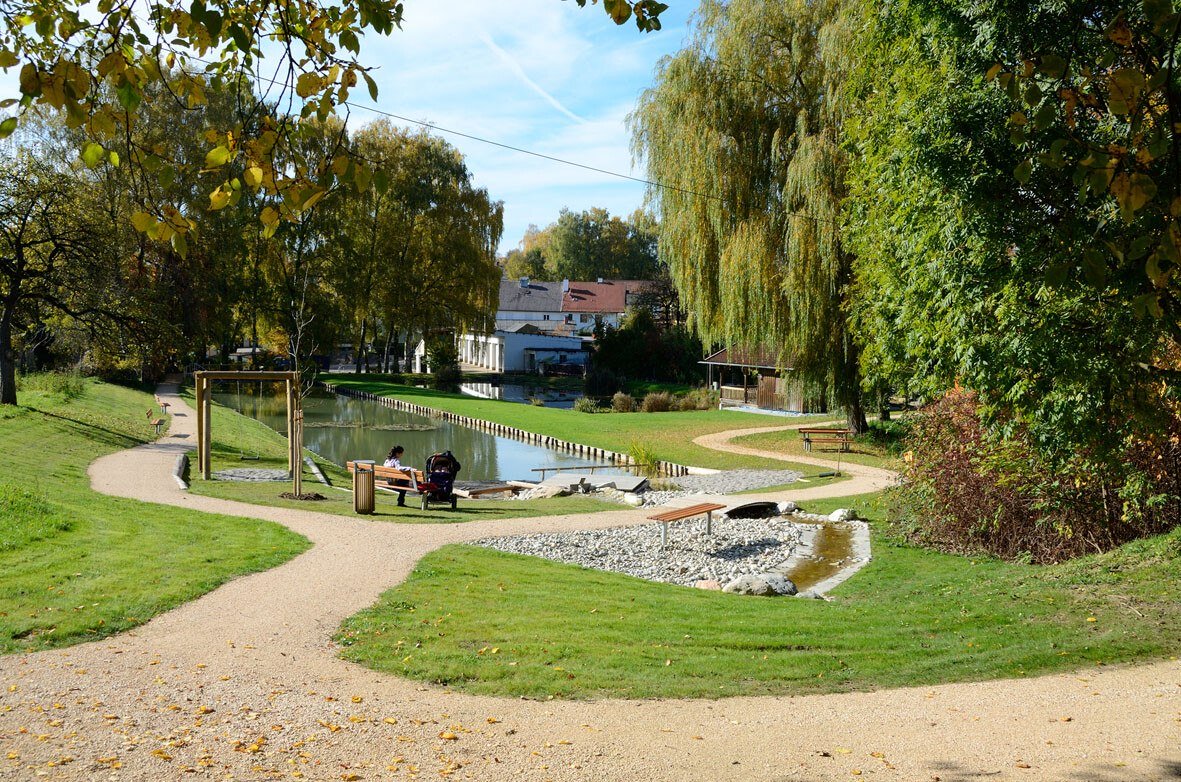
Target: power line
{"type": "Point", "coordinates": [524, 151]}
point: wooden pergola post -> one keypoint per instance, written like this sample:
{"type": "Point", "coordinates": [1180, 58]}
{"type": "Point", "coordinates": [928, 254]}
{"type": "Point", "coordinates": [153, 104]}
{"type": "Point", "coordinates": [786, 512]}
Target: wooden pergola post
{"type": "Point", "coordinates": [202, 382]}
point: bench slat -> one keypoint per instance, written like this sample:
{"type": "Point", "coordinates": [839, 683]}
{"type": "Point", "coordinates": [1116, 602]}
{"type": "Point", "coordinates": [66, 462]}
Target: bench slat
{"type": "Point", "coordinates": [685, 513]}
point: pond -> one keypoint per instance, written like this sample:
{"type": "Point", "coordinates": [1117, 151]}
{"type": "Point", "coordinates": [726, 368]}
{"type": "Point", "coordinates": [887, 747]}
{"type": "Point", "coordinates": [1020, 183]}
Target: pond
{"type": "Point", "coordinates": [340, 428]}
{"type": "Point", "coordinates": [513, 392]}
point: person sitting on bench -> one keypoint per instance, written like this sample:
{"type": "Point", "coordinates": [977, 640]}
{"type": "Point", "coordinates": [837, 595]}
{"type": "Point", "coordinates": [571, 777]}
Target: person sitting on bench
{"type": "Point", "coordinates": [394, 459]}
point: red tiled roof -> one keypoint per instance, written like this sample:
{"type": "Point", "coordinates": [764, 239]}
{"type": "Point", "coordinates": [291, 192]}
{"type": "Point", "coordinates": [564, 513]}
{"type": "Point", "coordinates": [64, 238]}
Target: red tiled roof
{"type": "Point", "coordinates": [601, 297]}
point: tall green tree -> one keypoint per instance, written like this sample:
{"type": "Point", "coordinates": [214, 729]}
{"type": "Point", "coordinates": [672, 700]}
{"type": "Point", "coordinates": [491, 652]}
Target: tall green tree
{"type": "Point", "coordinates": [743, 131]}
{"type": "Point", "coordinates": [965, 273]}
{"type": "Point", "coordinates": [54, 260]}
{"type": "Point", "coordinates": [418, 243]}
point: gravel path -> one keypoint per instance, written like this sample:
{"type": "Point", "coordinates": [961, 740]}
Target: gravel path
{"type": "Point", "coordinates": [244, 684]}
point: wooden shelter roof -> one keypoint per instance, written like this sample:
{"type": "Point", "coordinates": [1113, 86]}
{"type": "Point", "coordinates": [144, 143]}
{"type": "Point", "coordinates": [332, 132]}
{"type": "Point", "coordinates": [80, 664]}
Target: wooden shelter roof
{"type": "Point", "coordinates": [750, 358]}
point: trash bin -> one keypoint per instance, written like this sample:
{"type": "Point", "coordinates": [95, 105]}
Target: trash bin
{"type": "Point", "coordinates": [363, 486]}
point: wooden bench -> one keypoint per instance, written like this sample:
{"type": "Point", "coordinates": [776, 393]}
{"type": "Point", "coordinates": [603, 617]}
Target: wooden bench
{"type": "Point", "coordinates": [820, 434]}
{"type": "Point", "coordinates": [407, 479]}
{"type": "Point", "coordinates": [677, 514]}
{"type": "Point", "coordinates": [163, 405]}
{"type": "Point", "coordinates": [156, 422]}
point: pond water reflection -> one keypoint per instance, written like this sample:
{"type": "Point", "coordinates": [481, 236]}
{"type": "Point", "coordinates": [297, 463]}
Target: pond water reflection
{"type": "Point", "coordinates": [514, 392]}
{"type": "Point", "coordinates": [341, 428]}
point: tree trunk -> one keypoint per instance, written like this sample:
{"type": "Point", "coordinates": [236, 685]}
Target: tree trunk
{"type": "Point", "coordinates": [360, 346]}
{"type": "Point", "coordinates": [849, 388]}
{"type": "Point", "coordinates": [7, 362]}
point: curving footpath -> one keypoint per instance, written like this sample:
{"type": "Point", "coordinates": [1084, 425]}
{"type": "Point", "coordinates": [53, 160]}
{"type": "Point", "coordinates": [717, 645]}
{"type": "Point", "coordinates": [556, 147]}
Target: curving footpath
{"type": "Point", "coordinates": [244, 683]}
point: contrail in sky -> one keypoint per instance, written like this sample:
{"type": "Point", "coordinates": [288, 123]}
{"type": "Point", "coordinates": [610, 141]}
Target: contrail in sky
{"type": "Point", "coordinates": [520, 72]}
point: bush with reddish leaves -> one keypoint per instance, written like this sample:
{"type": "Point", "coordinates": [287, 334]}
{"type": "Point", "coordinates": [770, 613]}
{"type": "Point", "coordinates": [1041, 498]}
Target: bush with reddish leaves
{"type": "Point", "coordinates": [967, 491]}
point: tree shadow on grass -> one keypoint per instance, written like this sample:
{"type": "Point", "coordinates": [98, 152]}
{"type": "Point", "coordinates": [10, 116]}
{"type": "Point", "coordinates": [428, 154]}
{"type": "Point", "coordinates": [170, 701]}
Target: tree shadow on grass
{"type": "Point", "coordinates": [93, 431]}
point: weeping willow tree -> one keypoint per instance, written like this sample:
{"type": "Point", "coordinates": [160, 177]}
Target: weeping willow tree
{"type": "Point", "coordinates": [743, 131]}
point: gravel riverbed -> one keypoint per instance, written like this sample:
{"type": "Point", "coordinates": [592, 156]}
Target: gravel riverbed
{"type": "Point", "coordinates": [736, 548]}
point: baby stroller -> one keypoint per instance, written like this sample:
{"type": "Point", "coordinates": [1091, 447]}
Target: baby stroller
{"type": "Point", "coordinates": [441, 469]}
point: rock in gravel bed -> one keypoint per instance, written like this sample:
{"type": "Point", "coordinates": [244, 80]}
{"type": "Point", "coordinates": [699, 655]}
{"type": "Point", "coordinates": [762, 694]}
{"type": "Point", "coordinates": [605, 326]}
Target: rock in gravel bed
{"type": "Point", "coordinates": [742, 547]}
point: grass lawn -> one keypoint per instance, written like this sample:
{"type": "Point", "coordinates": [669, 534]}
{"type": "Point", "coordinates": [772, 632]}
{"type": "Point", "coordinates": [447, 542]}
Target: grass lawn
{"type": "Point", "coordinates": [234, 434]}
{"type": "Point", "coordinates": [496, 623]}
{"type": "Point", "coordinates": [790, 443]}
{"type": "Point", "coordinates": [79, 565]}
{"type": "Point", "coordinates": [669, 436]}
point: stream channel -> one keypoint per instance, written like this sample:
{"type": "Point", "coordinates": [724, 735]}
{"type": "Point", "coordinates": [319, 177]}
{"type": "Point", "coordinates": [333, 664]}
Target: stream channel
{"type": "Point", "coordinates": [340, 428]}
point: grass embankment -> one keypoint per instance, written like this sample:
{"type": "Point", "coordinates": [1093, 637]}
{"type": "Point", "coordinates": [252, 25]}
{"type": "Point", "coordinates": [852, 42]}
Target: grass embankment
{"type": "Point", "coordinates": [791, 443]}
{"type": "Point", "coordinates": [79, 565]}
{"type": "Point", "coordinates": [668, 436]}
{"type": "Point", "coordinates": [234, 435]}
{"type": "Point", "coordinates": [489, 622]}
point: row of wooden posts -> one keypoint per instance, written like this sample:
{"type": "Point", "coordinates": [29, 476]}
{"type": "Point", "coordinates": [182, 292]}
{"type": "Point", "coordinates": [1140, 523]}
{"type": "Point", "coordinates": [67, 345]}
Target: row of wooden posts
{"type": "Point", "coordinates": [204, 392]}
{"type": "Point", "coordinates": [589, 452]}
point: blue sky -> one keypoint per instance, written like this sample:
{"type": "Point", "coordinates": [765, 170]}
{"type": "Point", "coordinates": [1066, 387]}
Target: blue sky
{"type": "Point", "coordinates": [545, 75]}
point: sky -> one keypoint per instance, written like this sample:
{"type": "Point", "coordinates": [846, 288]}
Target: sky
{"type": "Point", "coordinates": [544, 75]}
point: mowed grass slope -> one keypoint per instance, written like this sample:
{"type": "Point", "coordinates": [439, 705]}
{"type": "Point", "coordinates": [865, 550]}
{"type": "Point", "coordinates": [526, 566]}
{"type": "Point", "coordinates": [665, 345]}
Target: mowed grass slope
{"type": "Point", "coordinates": [495, 623]}
{"type": "Point", "coordinates": [669, 436]}
{"type": "Point", "coordinates": [79, 565]}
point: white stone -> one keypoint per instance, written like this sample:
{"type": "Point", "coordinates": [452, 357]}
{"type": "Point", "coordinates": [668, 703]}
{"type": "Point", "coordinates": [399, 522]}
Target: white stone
{"type": "Point", "coordinates": [842, 514]}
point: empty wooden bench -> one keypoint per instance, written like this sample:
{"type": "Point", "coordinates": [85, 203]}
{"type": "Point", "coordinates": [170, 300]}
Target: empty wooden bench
{"type": "Point", "coordinates": [820, 434]}
{"type": "Point", "coordinates": [156, 422]}
{"type": "Point", "coordinates": [677, 514]}
{"type": "Point", "coordinates": [163, 405]}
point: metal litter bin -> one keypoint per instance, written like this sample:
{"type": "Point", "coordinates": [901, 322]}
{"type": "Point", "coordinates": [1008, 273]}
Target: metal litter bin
{"type": "Point", "coordinates": [363, 486]}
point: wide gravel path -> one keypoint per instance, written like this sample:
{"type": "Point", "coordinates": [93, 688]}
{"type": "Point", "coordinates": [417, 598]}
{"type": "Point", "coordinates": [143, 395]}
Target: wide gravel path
{"type": "Point", "coordinates": [243, 683]}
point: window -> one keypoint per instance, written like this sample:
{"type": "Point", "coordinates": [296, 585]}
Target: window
{"type": "Point", "coordinates": [583, 318]}
{"type": "Point", "coordinates": [545, 317]}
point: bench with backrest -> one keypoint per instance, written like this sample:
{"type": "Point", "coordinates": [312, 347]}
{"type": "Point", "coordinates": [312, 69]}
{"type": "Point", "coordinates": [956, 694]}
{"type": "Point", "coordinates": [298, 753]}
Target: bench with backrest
{"type": "Point", "coordinates": [678, 514]}
{"type": "Point", "coordinates": [163, 405]}
{"type": "Point", "coordinates": [407, 479]}
{"type": "Point", "coordinates": [821, 434]}
{"type": "Point", "coordinates": [156, 422]}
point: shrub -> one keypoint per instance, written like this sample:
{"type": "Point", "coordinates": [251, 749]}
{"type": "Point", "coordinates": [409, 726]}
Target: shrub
{"type": "Point", "coordinates": [643, 459]}
{"type": "Point", "coordinates": [657, 402]}
{"type": "Point", "coordinates": [586, 404]}
{"type": "Point", "coordinates": [699, 399]}
{"type": "Point", "coordinates": [536, 401]}
{"type": "Point", "coordinates": [968, 491]}
{"type": "Point", "coordinates": [622, 403]}
{"type": "Point", "coordinates": [64, 384]}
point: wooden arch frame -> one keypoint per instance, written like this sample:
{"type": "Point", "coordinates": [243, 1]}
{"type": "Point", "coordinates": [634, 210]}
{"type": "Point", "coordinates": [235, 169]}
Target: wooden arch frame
{"type": "Point", "coordinates": [294, 418]}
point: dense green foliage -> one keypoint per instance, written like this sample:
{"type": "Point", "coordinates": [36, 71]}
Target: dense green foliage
{"type": "Point", "coordinates": [640, 350]}
{"type": "Point", "coordinates": [906, 196]}
{"type": "Point", "coordinates": [489, 622]}
{"type": "Point", "coordinates": [588, 245]}
{"type": "Point", "coordinates": [409, 249]}
{"type": "Point", "coordinates": [79, 565]}
{"type": "Point", "coordinates": [973, 268]}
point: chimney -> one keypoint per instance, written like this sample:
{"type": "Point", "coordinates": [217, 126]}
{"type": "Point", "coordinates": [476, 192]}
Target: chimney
{"type": "Point", "coordinates": [565, 286]}
{"type": "Point", "coordinates": [524, 282]}
{"type": "Point", "coordinates": [599, 280]}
